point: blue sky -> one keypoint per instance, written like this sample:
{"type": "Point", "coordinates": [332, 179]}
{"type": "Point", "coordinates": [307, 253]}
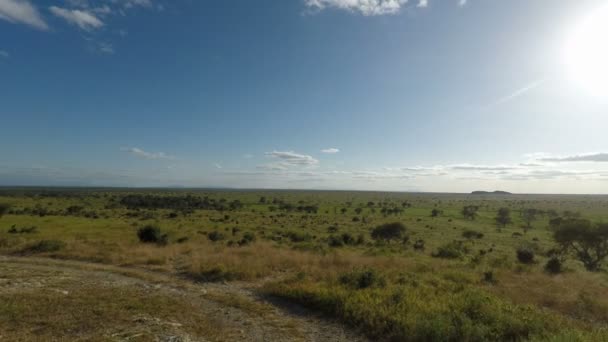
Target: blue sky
{"type": "Point", "coordinates": [434, 95]}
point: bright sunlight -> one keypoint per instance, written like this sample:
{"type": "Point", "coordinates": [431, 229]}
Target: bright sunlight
{"type": "Point", "coordinates": [586, 53]}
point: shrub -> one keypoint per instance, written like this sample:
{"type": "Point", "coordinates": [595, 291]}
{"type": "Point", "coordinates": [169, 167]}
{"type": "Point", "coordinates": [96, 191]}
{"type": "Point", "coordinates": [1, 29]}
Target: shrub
{"type": "Point", "coordinates": [4, 208]}
{"type": "Point", "coordinates": [525, 255]}
{"type": "Point", "coordinates": [451, 250]}
{"type": "Point", "coordinates": [471, 234]}
{"type": "Point", "coordinates": [553, 265]}
{"type": "Point", "coordinates": [217, 274]}
{"type": "Point", "coordinates": [419, 245]}
{"type": "Point", "coordinates": [362, 279]}
{"type": "Point", "coordinates": [335, 241]}
{"type": "Point", "coordinates": [45, 246]}
{"type": "Point", "coordinates": [488, 277]}
{"type": "Point", "coordinates": [389, 231]}
{"type": "Point", "coordinates": [247, 239]}
{"type": "Point", "coordinates": [152, 234]}
{"type": "Point", "coordinates": [298, 236]}
{"type": "Point", "coordinates": [183, 239]}
{"type": "Point", "coordinates": [215, 236]}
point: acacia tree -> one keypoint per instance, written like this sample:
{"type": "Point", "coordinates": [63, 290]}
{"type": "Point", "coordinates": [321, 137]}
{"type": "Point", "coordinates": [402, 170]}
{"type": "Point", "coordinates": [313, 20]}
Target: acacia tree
{"type": "Point", "coordinates": [503, 217]}
{"type": "Point", "coordinates": [588, 241]}
{"type": "Point", "coordinates": [469, 212]}
{"type": "Point", "coordinates": [529, 215]}
{"type": "Point", "coordinates": [389, 232]}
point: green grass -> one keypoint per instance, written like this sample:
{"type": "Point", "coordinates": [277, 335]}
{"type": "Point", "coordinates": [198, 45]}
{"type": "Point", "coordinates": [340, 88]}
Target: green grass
{"type": "Point", "coordinates": [440, 291]}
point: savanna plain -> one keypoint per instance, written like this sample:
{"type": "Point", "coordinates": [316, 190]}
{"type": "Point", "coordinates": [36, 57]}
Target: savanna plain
{"type": "Point", "coordinates": [229, 265]}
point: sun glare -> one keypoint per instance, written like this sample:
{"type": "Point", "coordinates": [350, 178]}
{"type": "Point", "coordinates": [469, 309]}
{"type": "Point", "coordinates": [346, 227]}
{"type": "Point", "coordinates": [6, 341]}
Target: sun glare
{"type": "Point", "coordinates": [586, 53]}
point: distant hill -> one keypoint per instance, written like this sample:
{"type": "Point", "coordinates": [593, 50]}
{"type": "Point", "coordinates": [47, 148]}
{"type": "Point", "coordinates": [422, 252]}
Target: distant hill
{"type": "Point", "coordinates": [497, 192]}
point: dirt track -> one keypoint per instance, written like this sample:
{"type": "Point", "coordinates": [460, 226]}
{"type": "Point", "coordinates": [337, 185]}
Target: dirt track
{"type": "Point", "coordinates": [235, 308]}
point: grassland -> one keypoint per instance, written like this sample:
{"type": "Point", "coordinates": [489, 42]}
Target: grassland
{"type": "Point", "coordinates": [446, 279]}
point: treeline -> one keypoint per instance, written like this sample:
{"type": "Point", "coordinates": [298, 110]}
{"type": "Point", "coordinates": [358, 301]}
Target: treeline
{"type": "Point", "coordinates": [181, 203]}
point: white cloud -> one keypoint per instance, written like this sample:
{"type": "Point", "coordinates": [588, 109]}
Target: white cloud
{"type": "Point", "coordinates": [81, 18]}
{"type": "Point", "coordinates": [4, 54]}
{"type": "Point", "coordinates": [22, 12]}
{"type": "Point", "coordinates": [423, 3]}
{"type": "Point", "coordinates": [365, 7]}
{"type": "Point", "coordinates": [331, 150]}
{"type": "Point", "coordinates": [294, 159]}
{"type": "Point", "coordinates": [217, 165]}
{"type": "Point", "coordinates": [145, 155]}
{"type": "Point", "coordinates": [462, 3]}
{"type": "Point", "coordinates": [587, 157]}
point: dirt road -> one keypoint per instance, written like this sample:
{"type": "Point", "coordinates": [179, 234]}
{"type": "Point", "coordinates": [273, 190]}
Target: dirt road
{"type": "Point", "coordinates": [46, 299]}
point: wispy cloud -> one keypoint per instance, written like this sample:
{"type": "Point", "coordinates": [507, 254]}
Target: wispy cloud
{"type": "Point", "coordinates": [462, 3]}
{"type": "Point", "coordinates": [517, 93]}
{"type": "Point", "coordinates": [294, 159]}
{"type": "Point", "coordinates": [4, 54]}
{"type": "Point", "coordinates": [331, 150]}
{"type": "Point", "coordinates": [365, 7]}
{"type": "Point", "coordinates": [217, 165]}
{"type": "Point", "coordinates": [81, 18]}
{"type": "Point", "coordinates": [423, 3]}
{"type": "Point", "coordinates": [145, 155]}
{"type": "Point", "coordinates": [22, 12]}
{"type": "Point", "coordinates": [586, 157]}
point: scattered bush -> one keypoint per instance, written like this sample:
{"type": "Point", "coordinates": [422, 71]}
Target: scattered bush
{"type": "Point", "coordinates": [183, 239]}
{"type": "Point", "coordinates": [553, 265]}
{"type": "Point", "coordinates": [471, 234]}
{"type": "Point", "coordinates": [217, 274]}
{"type": "Point", "coordinates": [419, 245]}
{"type": "Point", "coordinates": [152, 234]}
{"type": "Point", "coordinates": [389, 232]}
{"type": "Point", "coordinates": [247, 239]}
{"type": "Point", "coordinates": [525, 255]}
{"type": "Point", "coordinates": [215, 236]}
{"type": "Point", "coordinates": [451, 250]}
{"type": "Point", "coordinates": [4, 208]}
{"type": "Point", "coordinates": [24, 230]}
{"type": "Point", "coordinates": [44, 246]}
{"type": "Point", "coordinates": [362, 279]}
{"type": "Point", "coordinates": [335, 241]}
{"type": "Point", "coordinates": [295, 236]}
{"type": "Point", "coordinates": [488, 277]}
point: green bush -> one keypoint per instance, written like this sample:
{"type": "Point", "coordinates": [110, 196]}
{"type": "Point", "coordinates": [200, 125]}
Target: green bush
{"type": "Point", "coordinates": [389, 231]}
{"type": "Point", "coordinates": [362, 279]}
{"type": "Point", "coordinates": [525, 255]}
{"type": "Point", "coordinates": [553, 266]}
{"type": "Point", "coordinates": [215, 236]}
{"type": "Point", "coordinates": [44, 246]}
{"type": "Point", "coordinates": [472, 234]}
{"type": "Point", "coordinates": [451, 250]}
{"type": "Point", "coordinates": [151, 234]}
{"type": "Point", "coordinates": [247, 239]}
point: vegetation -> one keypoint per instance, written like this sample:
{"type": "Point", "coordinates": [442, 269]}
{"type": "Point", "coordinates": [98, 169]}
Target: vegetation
{"type": "Point", "coordinates": [587, 240]}
{"type": "Point", "coordinates": [503, 218]}
{"type": "Point", "coordinates": [450, 275]}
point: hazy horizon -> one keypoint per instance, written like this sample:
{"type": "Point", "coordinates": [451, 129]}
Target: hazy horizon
{"type": "Point", "coordinates": [371, 95]}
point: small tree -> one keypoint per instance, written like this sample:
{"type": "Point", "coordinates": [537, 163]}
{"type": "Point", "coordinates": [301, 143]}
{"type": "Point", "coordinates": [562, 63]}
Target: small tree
{"type": "Point", "coordinates": [389, 232]}
{"type": "Point", "coordinates": [588, 241]}
{"type": "Point", "coordinates": [4, 208]}
{"type": "Point", "coordinates": [529, 215]}
{"type": "Point", "coordinates": [152, 234]}
{"type": "Point", "coordinates": [436, 212]}
{"type": "Point", "coordinates": [503, 217]}
{"type": "Point", "coordinates": [470, 212]}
